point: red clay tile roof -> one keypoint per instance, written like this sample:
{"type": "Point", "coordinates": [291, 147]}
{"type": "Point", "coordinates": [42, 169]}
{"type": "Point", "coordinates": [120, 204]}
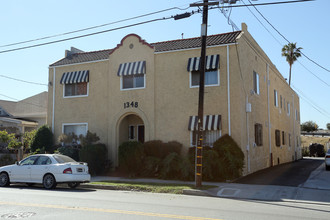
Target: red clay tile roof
{"type": "Point", "coordinates": [181, 44]}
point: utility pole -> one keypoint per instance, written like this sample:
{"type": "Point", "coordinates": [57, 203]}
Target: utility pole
{"type": "Point", "coordinates": [200, 132]}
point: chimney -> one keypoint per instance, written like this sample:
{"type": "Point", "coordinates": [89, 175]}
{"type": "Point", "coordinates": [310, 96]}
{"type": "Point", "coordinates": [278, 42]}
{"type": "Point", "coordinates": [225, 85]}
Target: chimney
{"type": "Point", "coordinates": [69, 53]}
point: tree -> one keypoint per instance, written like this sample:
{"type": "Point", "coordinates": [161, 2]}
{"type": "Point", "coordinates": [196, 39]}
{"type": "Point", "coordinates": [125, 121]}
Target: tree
{"type": "Point", "coordinates": [43, 139]}
{"type": "Point", "coordinates": [328, 126]}
{"type": "Point", "coordinates": [309, 126]}
{"type": "Point", "coordinates": [291, 52]}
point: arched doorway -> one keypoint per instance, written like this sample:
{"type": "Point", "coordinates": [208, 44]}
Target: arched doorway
{"type": "Point", "coordinates": [131, 128]}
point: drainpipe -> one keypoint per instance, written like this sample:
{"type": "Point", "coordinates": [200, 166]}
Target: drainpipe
{"type": "Point", "coordinates": [53, 111]}
{"type": "Point", "coordinates": [228, 92]}
{"type": "Point", "coordinates": [269, 123]}
{"type": "Point", "coordinates": [294, 126]}
{"type": "Point", "coordinates": [247, 133]}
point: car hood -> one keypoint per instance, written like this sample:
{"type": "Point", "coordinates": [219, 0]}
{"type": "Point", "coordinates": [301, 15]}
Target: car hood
{"type": "Point", "coordinates": [8, 167]}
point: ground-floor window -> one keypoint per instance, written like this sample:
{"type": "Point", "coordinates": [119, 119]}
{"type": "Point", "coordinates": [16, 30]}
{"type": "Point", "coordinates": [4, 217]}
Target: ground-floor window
{"type": "Point", "coordinates": [209, 137]}
{"type": "Point", "coordinates": [75, 128]}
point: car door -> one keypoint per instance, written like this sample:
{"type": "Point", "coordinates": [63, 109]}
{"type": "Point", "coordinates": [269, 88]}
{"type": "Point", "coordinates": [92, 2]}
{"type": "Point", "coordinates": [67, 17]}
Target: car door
{"type": "Point", "coordinates": [39, 168]}
{"type": "Point", "coordinates": [22, 171]}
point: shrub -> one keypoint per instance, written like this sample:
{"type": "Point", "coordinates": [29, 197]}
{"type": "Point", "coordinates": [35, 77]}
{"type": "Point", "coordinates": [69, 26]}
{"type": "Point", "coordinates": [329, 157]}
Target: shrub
{"type": "Point", "coordinates": [6, 159]}
{"type": "Point", "coordinates": [71, 151]}
{"type": "Point", "coordinates": [154, 149]}
{"type": "Point", "coordinates": [316, 150]}
{"type": "Point", "coordinates": [170, 168]}
{"type": "Point", "coordinates": [96, 157]}
{"type": "Point", "coordinates": [151, 166]}
{"type": "Point", "coordinates": [42, 139]}
{"type": "Point", "coordinates": [231, 157]}
{"type": "Point", "coordinates": [131, 157]}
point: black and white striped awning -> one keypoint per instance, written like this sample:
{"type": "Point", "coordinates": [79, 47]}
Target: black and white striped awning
{"type": "Point", "coordinates": [75, 77]}
{"type": "Point", "coordinates": [126, 69]}
{"type": "Point", "coordinates": [210, 123]}
{"type": "Point", "coordinates": [212, 63]}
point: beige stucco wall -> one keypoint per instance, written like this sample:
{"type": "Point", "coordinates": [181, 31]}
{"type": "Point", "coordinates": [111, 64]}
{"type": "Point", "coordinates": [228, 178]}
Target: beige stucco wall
{"type": "Point", "coordinates": [167, 101]}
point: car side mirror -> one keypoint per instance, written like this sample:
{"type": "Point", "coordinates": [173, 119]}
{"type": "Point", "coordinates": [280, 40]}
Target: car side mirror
{"type": "Point", "coordinates": [17, 163]}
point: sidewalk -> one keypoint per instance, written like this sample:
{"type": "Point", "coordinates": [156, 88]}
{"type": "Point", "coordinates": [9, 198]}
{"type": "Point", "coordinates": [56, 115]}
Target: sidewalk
{"type": "Point", "coordinates": [315, 190]}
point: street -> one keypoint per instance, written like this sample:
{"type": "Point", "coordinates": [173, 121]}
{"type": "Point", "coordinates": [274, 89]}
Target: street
{"type": "Point", "coordinates": [63, 203]}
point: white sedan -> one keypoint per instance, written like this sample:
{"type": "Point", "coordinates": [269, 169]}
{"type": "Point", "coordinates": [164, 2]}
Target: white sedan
{"type": "Point", "coordinates": [46, 169]}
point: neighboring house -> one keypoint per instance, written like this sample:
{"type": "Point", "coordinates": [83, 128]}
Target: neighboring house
{"type": "Point", "coordinates": [149, 91]}
{"type": "Point", "coordinates": [25, 115]}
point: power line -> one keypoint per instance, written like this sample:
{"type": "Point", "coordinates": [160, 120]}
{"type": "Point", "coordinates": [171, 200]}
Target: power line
{"type": "Point", "coordinates": [90, 28]}
{"type": "Point", "coordinates": [29, 103]}
{"type": "Point", "coordinates": [284, 36]}
{"type": "Point", "coordinates": [85, 35]}
{"type": "Point", "coordinates": [20, 80]}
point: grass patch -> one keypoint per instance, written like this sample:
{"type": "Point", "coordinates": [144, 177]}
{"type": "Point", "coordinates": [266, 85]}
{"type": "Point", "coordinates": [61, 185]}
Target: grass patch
{"type": "Point", "coordinates": [150, 187]}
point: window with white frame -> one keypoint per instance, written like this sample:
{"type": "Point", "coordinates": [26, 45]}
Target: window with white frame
{"type": "Point", "coordinates": [75, 84]}
{"type": "Point", "coordinates": [76, 89]}
{"type": "Point", "coordinates": [209, 137]}
{"type": "Point", "coordinates": [75, 128]}
{"type": "Point", "coordinates": [211, 78]}
{"type": "Point", "coordinates": [275, 98]}
{"type": "Point", "coordinates": [133, 81]}
{"type": "Point", "coordinates": [256, 88]}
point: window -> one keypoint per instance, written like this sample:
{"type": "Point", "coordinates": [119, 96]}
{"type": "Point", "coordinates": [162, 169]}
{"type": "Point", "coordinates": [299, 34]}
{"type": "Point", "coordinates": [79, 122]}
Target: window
{"type": "Point", "coordinates": [256, 83]}
{"type": "Point", "coordinates": [289, 140]}
{"type": "Point", "coordinates": [281, 104]}
{"type": "Point", "coordinates": [43, 160]}
{"type": "Point", "coordinates": [284, 105]}
{"type": "Point", "coordinates": [275, 98]}
{"type": "Point", "coordinates": [288, 108]}
{"type": "Point", "coordinates": [258, 134]}
{"type": "Point", "coordinates": [133, 81]}
{"type": "Point", "coordinates": [209, 137]}
{"type": "Point", "coordinates": [76, 89]}
{"type": "Point", "coordinates": [283, 138]}
{"type": "Point", "coordinates": [211, 78]}
{"type": "Point", "coordinates": [277, 138]}
{"type": "Point", "coordinates": [75, 128]}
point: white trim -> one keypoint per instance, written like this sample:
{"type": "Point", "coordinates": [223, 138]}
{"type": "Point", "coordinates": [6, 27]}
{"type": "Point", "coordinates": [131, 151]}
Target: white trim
{"type": "Point", "coordinates": [228, 92]}
{"type": "Point", "coordinates": [73, 124]}
{"type": "Point", "coordinates": [121, 84]}
{"type": "Point", "coordinates": [72, 64]}
{"type": "Point", "coordinates": [75, 96]}
{"type": "Point", "coordinates": [217, 84]}
{"type": "Point", "coordinates": [194, 48]}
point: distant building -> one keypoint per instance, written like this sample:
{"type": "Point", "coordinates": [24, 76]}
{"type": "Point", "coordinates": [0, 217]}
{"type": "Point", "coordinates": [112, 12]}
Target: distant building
{"type": "Point", "coordinates": [25, 115]}
{"type": "Point", "coordinates": [149, 91]}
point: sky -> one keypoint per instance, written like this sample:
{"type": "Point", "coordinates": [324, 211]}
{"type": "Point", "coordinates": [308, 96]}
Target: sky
{"type": "Point", "coordinates": [305, 23]}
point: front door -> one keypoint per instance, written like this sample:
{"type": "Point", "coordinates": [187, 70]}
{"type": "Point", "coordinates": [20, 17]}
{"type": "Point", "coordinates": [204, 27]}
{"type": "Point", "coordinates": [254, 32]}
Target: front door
{"type": "Point", "coordinates": [141, 133]}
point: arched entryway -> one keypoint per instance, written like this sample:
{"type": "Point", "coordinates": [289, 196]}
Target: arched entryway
{"type": "Point", "coordinates": [131, 128]}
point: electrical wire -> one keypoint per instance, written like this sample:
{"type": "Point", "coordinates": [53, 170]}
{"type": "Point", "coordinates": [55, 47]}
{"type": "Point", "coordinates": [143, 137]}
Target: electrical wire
{"type": "Point", "coordinates": [21, 101]}
{"type": "Point", "coordinates": [85, 35]}
{"type": "Point", "coordinates": [93, 27]}
{"type": "Point", "coordinates": [24, 81]}
{"type": "Point", "coordinates": [285, 37]}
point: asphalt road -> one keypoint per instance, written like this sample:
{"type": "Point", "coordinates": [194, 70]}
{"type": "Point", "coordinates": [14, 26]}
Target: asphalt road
{"type": "Point", "coordinates": [18, 202]}
{"type": "Point", "coordinates": [290, 174]}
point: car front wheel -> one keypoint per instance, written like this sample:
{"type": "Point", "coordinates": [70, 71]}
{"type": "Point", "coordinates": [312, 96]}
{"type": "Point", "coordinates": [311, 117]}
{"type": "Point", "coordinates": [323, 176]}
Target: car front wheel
{"type": "Point", "coordinates": [4, 179]}
{"type": "Point", "coordinates": [49, 181]}
{"type": "Point", "coordinates": [73, 185]}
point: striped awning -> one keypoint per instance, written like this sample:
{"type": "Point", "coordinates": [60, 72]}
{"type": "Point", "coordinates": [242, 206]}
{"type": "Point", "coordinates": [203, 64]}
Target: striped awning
{"type": "Point", "coordinates": [212, 63]}
{"type": "Point", "coordinates": [133, 68]}
{"type": "Point", "coordinates": [210, 122]}
{"type": "Point", "coordinates": [75, 77]}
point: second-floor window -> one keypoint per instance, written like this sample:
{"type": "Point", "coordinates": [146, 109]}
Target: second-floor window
{"type": "Point", "coordinates": [132, 75]}
{"type": "Point", "coordinates": [211, 78]}
{"type": "Point", "coordinates": [76, 89]}
{"type": "Point", "coordinates": [75, 84]}
{"type": "Point", "coordinates": [256, 83]}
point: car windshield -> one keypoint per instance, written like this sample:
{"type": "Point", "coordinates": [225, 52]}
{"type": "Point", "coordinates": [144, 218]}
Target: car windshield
{"type": "Point", "coordinates": [63, 159]}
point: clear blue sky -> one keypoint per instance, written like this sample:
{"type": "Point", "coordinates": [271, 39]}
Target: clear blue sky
{"type": "Point", "coordinates": [304, 23]}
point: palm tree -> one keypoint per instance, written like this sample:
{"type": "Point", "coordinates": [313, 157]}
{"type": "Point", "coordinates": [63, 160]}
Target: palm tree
{"type": "Point", "coordinates": [291, 52]}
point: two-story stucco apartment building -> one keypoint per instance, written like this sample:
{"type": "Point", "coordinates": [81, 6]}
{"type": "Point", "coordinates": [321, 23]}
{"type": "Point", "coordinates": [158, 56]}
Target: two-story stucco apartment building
{"type": "Point", "coordinates": [149, 91]}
